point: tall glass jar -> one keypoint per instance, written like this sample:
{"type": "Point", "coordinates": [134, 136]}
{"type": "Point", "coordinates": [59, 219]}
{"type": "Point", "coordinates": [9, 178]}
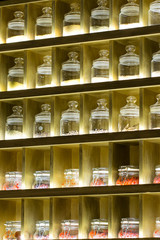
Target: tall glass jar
{"type": "Point", "coordinates": [42, 230]}
{"type": "Point", "coordinates": [43, 122]}
{"type": "Point", "coordinates": [44, 24]}
{"type": "Point", "coordinates": [13, 230]}
{"type": "Point", "coordinates": [70, 73]}
{"type": "Point", "coordinates": [157, 174]}
{"type": "Point", "coordinates": [13, 181]}
{"type": "Point", "coordinates": [15, 32]}
{"type": "Point", "coordinates": [155, 64]}
{"type": "Point", "coordinates": [129, 228]}
{"type": "Point", "coordinates": [156, 233]}
{"type": "Point", "coordinates": [72, 19]}
{"type": "Point", "coordinates": [14, 124]}
{"type": "Point", "coordinates": [100, 67]}
{"type": "Point", "coordinates": [71, 178]}
{"type": "Point", "coordinates": [69, 229]}
{"type": "Point", "coordinates": [69, 123]}
{"type": "Point", "coordinates": [99, 177]}
{"type": "Point", "coordinates": [99, 119]}
{"type": "Point", "coordinates": [129, 15]}
{"type": "Point", "coordinates": [129, 115]}
{"type": "Point", "coordinates": [41, 179]}
{"type": "Point", "coordinates": [16, 75]}
{"type": "Point", "coordinates": [154, 13]}
{"type": "Point", "coordinates": [44, 73]}
{"type": "Point", "coordinates": [128, 67]}
{"type": "Point", "coordinates": [155, 114]}
{"type": "Point", "coordinates": [128, 175]}
{"type": "Point", "coordinates": [99, 229]}
{"type": "Point", "coordinates": [99, 21]}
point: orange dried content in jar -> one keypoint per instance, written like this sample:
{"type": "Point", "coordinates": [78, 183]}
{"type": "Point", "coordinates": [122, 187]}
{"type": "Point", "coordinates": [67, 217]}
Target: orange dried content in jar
{"type": "Point", "coordinates": [13, 230]}
{"type": "Point", "coordinates": [69, 229]}
{"type": "Point", "coordinates": [71, 178]}
{"type": "Point", "coordinates": [99, 229]}
{"type": "Point", "coordinates": [157, 174]}
{"type": "Point", "coordinates": [129, 228]}
{"type": "Point", "coordinates": [128, 175]}
{"type": "Point", "coordinates": [13, 181]}
{"type": "Point", "coordinates": [99, 177]}
{"type": "Point", "coordinates": [156, 232]}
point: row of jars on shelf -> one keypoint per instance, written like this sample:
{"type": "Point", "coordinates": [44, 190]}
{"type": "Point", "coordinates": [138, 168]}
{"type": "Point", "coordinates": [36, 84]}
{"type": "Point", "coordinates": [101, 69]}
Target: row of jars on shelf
{"type": "Point", "coordinates": [129, 17]}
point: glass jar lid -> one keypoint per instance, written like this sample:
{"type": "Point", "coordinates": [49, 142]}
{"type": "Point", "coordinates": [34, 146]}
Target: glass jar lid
{"type": "Point", "coordinates": [130, 109]}
{"type": "Point", "coordinates": [157, 169]}
{"type": "Point", "coordinates": [70, 223]}
{"type": "Point", "coordinates": [128, 169]}
{"type": "Point", "coordinates": [155, 108]}
{"type": "Point", "coordinates": [103, 61]}
{"type": "Point", "coordinates": [72, 113]}
{"type": "Point", "coordinates": [74, 15]}
{"type": "Point", "coordinates": [99, 223]}
{"type": "Point", "coordinates": [72, 64]}
{"type": "Point", "coordinates": [45, 115]}
{"type": "Point", "coordinates": [16, 117]}
{"type": "Point", "coordinates": [155, 6]}
{"type": "Point", "coordinates": [158, 220]}
{"type": "Point", "coordinates": [18, 22]}
{"type": "Point", "coordinates": [72, 172]}
{"type": "Point", "coordinates": [130, 58]}
{"type": "Point", "coordinates": [46, 19]}
{"type": "Point", "coordinates": [46, 67]}
{"type": "Point", "coordinates": [156, 55]}
{"type": "Point", "coordinates": [101, 12]}
{"type": "Point", "coordinates": [42, 174]}
{"type": "Point", "coordinates": [130, 9]}
{"type": "Point", "coordinates": [101, 112]}
{"type": "Point", "coordinates": [13, 175]}
{"type": "Point", "coordinates": [100, 171]}
{"type": "Point", "coordinates": [13, 225]}
{"type": "Point", "coordinates": [42, 225]}
{"type": "Point", "coordinates": [129, 221]}
{"type": "Point", "coordinates": [18, 69]}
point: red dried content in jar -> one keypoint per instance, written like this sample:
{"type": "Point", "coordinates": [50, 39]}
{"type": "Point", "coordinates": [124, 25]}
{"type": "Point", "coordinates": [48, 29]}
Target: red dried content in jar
{"type": "Point", "coordinates": [69, 229]}
{"type": "Point", "coordinates": [13, 230]}
{"type": "Point", "coordinates": [156, 232]}
{"type": "Point", "coordinates": [99, 229]}
{"type": "Point", "coordinates": [71, 178]}
{"type": "Point", "coordinates": [99, 177]}
{"type": "Point", "coordinates": [13, 181]}
{"type": "Point", "coordinates": [128, 175]}
{"type": "Point", "coordinates": [129, 228]}
{"type": "Point", "coordinates": [157, 174]}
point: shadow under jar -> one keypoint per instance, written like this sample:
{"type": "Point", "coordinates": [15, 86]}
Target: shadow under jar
{"type": "Point", "coordinates": [42, 180]}
{"type": "Point", "coordinates": [156, 233]}
{"type": "Point", "coordinates": [42, 230]}
{"type": "Point", "coordinates": [157, 175]}
{"type": "Point", "coordinates": [154, 13]}
{"type": "Point", "coordinates": [155, 64]}
{"type": "Point", "coordinates": [13, 230]}
{"type": "Point", "coordinates": [44, 73]}
{"type": "Point", "coordinates": [69, 229]}
{"type": "Point", "coordinates": [154, 115]}
{"type": "Point", "coordinates": [99, 229]}
{"type": "Point", "coordinates": [13, 181]}
{"type": "Point", "coordinates": [129, 228]}
{"type": "Point", "coordinates": [71, 178]}
{"type": "Point", "coordinates": [99, 177]}
{"type": "Point", "coordinates": [128, 175]}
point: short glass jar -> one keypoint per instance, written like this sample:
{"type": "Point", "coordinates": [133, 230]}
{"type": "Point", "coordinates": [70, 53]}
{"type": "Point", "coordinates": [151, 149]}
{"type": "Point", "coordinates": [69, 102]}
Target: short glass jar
{"type": "Point", "coordinates": [99, 229]}
{"type": "Point", "coordinates": [69, 229]}
{"type": "Point", "coordinates": [72, 20]}
{"type": "Point", "coordinates": [13, 181]}
{"type": "Point", "coordinates": [99, 118]}
{"type": "Point", "coordinates": [43, 28]}
{"type": "Point", "coordinates": [70, 72]}
{"type": "Point", "coordinates": [155, 64]}
{"type": "Point", "coordinates": [157, 175]}
{"type": "Point", "coordinates": [41, 179]}
{"type": "Point", "coordinates": [44, 73]}
{"type": "Point", "coordinates": [154, 13]}
{"type": "Point", "coordinates": [100, 67]}
{"type": "Point", "coordinates": [13, 230]}
{"type": "Point", "coordinates": [69, 123]}
{"type": "Point", "coordinates": [16, 75]}
{"type": "Point", "coordinates": [129, 116]}
{"type": "Point", "coordinates": [42, 230]}
{"type": "Point", "coordinates": [99, 177]}
{"type": "Point", "coordinates": [128, 67]}
{"type": "Point", "coordinates": [154, 115]}
{"type": "Point", "coordinates": [14, 124]}
{"type": "Point", "coordinates": [15, 31]}
{"type": "Point", "coordinates": [71, 178]}
{"type": "Point", "coordinates": [128, 175]}
{"type": "Point", "coordinates": [99, 21]}
{"type": "Point", "coordinates": [129, 15]}
{"type": "Point", "coordinates": [129, 228]}
{"type": "Point", "coordinates": [156, 233]}
{"type": "Point", "coordinates": [42, 124]}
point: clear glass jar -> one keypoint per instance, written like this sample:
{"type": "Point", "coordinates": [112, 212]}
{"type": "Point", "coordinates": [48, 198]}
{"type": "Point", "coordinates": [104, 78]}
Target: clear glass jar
{"type": "Point", "coordinates": [99, 21]}
{"type": "Point", "coordinates": [70, 72]}
{"type": "Point", "coordinates": [129, 15]}
{"type": "Point", "coordinates": [41, 179]}
{"type": "Point", "coordinates": [157, 174]}
{"type": "Point", "coordinates": [128, 175]}
{"type": "Point", "coordinates": [156, 233]}
{"type": "Point", "coordinates": [16, 75]}
{"type": "Point", "coordinates": [129, 228]}
{"type": "Point", "coordinates": [99, 229]}
{"type": "Point", "coordinates": [13, 181]}
{"type": "Point", "coordinates": [69, 123]}
{"type": "Point", "coordinates": [128, 66]}
{"type": "Point", "coordinates": [129, 115]}
{"type": "Point", "coordinates": [155, 114]}
{"type": "Point", "coordinates": [44, 24]}
{"type": "Point", "coordinates": [71, 178]}
{"type": "Point", "coordinates": [155, 64]}
{"type": "Point", "coordinates": [100, 67]}
{"type": "Point", "coordinates": [13, 230]}
{"type": "Point", "coordinates": [154, 13]}
{"type": "Point", "coordinates": [44, 73]}
{"type": "Point", "coordinates": [42, 230]}
{"type": "Point", "coordinates": [15, 32]}
{"type": "Point", "coordinates": [14, 124]}
{"type": "Point", "coordinates": [72, 19]}
{"type": "Point", "coordinates": [99, 119]}
{"type": "Point", "coordinates": [99, 177]}
{"type": "Point", "coordinates": [69, 229]}
{"type": "Point", "coordinates": [42, 124]}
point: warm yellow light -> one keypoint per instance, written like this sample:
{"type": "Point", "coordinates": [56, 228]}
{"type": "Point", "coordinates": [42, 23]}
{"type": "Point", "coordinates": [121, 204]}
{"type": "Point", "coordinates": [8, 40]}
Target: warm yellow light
{"type": "Point", "coordinates": [23, 186]}
{"type": "Point", "coordinates": [19, 38]}
{"type": "Point", "coordinates": [14, 135]}
{"type": "Point", "coordinates": [45, 36]}
{"type": "Point", "coordinates": [130, 25]}
{"type": "Point", "coordinates": [99, 79]}
{"type": "Point", "coordinates": [16, 86]}
{"type": "Point", "coordinates": [45, 86]}
{"type": "Point", "coordinates": [70, 82]}
{"type": "Point", "coordinates": [98, 29]}
{"type": "Point", "coordinates": [72, 30]}
{"type": "Point", "coordinates": [156, 74]}
{"type": "Point", "coordinates": [129, 77]}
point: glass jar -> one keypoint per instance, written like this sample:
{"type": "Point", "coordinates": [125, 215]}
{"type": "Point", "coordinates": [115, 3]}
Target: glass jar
{"type": "Point", "coordinates": [129, 228]}
{"type": "Point", "coordinates": [69, 123]}
{"type": "Point", "coordinates": [43, 122]}
{"type": "Point", "coordinates": [154, 13]}
{"type": "Point", "coordinates": [100, 67]}
{"type": "Point", "coordinates": [155, 114]}
{"type": "Point", "coordinates": [99, 21]}
{"type": "Point", "coordinates": [14, 124]}
{"type": "Point", "coordinates": [156, 232]}
{"type": "Point", "coordinates": [128, 175]}
{"type": "Point", "coordinates": [99, 177]}
{"type": "Point", "coordinates": [15, 31]}
{"type": "Point", "coordinates": [44, 73]}
{"type": "Point", "coordinates": [128, 66]}
{"type": "Point", "coordinates": [129, 115]}
{"type": "Point", "coordinates": [99, 229]}
{"type": "Point", "coordinates": [129, 15]}
{"type": "Point", "coordinates": [16, 75]}
{"type": "Point", "coordinates": [99, 119]}
{"type": "Point", "coordinates": [71, 178]}
{"type": "Point", "coordinates": [157, 174]}
{"type": "Point", "coordinates": [13, 230]}
{"type": "Point", "coordinates": [42, 230]}
{"type": "Point", "coordinates": [69, 229]}
{"type": "Point", "coordinates": [71, 22]}
{"type": "Point", "coordinates": [13, 181]}
{"type": "Point", "coordinates": [155, 64]}
{"type": "Point", "coordinates": [44, 24]}
{"type": "Point", "coordinates": [41, 179]}
{"type": "Point", "coordinates": [70, 72]}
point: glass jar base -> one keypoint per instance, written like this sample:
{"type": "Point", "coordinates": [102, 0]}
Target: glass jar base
{"type": "Point", "coordinates": [128, 77]}
{"type": "Point", "coordinates": [44, 36]}
{"type": "Point", "coordinates": [19, 38]}
{"type": "Point", "coordinates": [100, 79]}
{"type": "Point", "coordinates": [130, 25]}
{"type": "Point", "coordinates": [70, 82]}
{"type": "Point", "coordinates": [71, 30]}
{"type": "Point", "coordinates": [14, 135]}
{"type": "Point", "coordinates": [98, 29]}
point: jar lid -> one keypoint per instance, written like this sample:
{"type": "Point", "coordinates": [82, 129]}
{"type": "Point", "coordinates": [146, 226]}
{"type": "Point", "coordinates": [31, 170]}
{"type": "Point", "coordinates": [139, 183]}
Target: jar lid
{"type": "Point", "coordinates": [100, 171]}
{"type": "Point", "coordinates": [13, 224]}
{"type": "Point", "coordinates": [44, 223]}
{"type": "Point", "coordinates": [71, 172]}
{"type": "Point", "coordinates": [42, 174]}
{"type": "Point", "coordinates": [101, 12]}
{"type": "Point", "coordinates": [128, 221]}
{"type": "Point", "coordinates": [155, 108]}
{"type": "Point", "coordinates": [13, 175]}
{"type": "Point", "coordinates": [157, 168]}
{"type": "Point", "coordinates": [130, 58]}
{"type": "Point", "coordinates": [128, 168]}
{"type": "Point", "coordinates": [46, 19]}
{"type": "Point", "coordinates": [74, 14]}
{"type": "Point", "coordinates": [72, 113]}
{"type": "Point", "coordinates": [103, 61]}
{"type": "Point", "coordinates": [46, 67]}
{"type": "Point", "coordinates": [155, 6]}
{"type": "Point", "coordinates": [101, 112]}
{"type": "Point", "coordinates": [158, 220]}
{"type": "Point", "coordinates": [130, 9]}
{"type": "Point", "coordinates": [100, 222]}
{"type": "Point", "coordinates": [130, 109]}
{"type": "Point", "coordinates": [45, 115]}
{"type": "Point", "coordinates": [74, 223]}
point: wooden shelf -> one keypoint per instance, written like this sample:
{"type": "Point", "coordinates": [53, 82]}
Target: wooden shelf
{"type": "Point", "coordinates": [15, 2]}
